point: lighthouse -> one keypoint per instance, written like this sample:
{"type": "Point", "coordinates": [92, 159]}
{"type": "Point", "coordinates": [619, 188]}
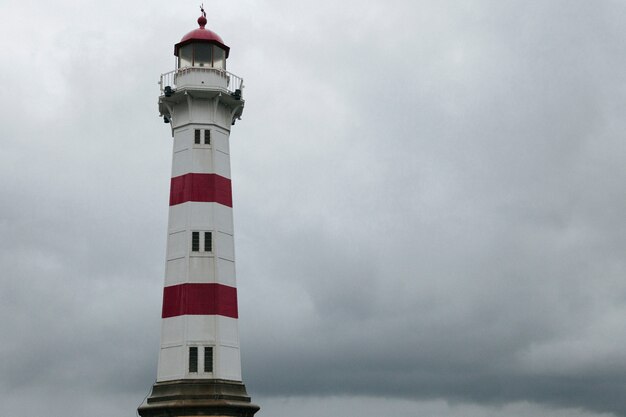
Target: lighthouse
{"type": "Point", "coordinates": [199, 367]}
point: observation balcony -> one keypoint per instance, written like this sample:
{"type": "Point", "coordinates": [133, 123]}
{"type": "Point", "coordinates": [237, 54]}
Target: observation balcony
{"type": "Point", "coordinates": [201, 79]}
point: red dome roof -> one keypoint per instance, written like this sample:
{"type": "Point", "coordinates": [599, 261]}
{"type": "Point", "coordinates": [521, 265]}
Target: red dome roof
{"type": "Point", "coordinates": [201, 35]}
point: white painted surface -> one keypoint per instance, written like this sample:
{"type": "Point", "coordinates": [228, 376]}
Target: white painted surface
{"type": "Point", "coordinates": [183, 138]}
{"type": "Point", "coordinates": [202, 269]}
{"type": "Point", "coordinates": [228, 331]}
{"type": "Point", "coordinates": [220, 141]}
{"type": "Point", "coordinates": [189, 157]}
{"type": "Point", "coordinates": [171, 363]}
{"type": "Point", "coordinates": [224, 246]}
{"type": "Point", "coordinates": [209, 79]}
{"type": "Point", "coordinates": [201, 216]}
{"type": "Point", "coordinates": [179, 333]}
{"type": "Point", "coordinates": [204, 330]}
{"type": "Point", "coordinates": [176, 271]}
{"type": "Point", "coordinates": [184, 266]}
{"type": "Point", "coordinates": [201, 330]}
{"type": "Point", "coordinates": [177, 246]}
{"type": "Point", "coordinates": [172, 331]}
{"type": "Point", "coordinates": [229, 363]}
{"type": "Point", "coordinates": [221, 164]}
{"type": "Point", "coordinates": [181, 162]}
{"type": "Point", "coordinates": [202, 161]}
{"type": "Point", "coordinates": [225, 272]}
{"type": "Point", "coordinates": [199, 160]}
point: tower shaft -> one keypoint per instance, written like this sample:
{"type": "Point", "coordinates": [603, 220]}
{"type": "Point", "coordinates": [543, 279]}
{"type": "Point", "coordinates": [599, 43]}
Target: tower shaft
{"type": "Point", "coordinates": [199, 368]}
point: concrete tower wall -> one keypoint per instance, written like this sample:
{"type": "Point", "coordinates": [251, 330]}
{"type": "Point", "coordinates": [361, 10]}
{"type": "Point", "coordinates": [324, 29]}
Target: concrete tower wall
{"type": "Point", "coordinates": [206, 168]}
{"type": "Point", "coordinates": [199, 370]}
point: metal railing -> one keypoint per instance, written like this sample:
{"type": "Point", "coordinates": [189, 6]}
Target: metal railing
{"type": "Point", "coordinates": [233, 82]}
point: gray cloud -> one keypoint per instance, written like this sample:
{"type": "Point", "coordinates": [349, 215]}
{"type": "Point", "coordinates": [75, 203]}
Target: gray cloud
{"type": "Point", "coordinates": [428, 205]}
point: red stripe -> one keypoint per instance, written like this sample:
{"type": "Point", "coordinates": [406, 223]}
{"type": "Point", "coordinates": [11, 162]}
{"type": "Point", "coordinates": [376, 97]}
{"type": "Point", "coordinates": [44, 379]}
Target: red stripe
{"type": "Point", "coordinates": [209, 188]}
{"type": "Point", "coordinates": [199, 299]}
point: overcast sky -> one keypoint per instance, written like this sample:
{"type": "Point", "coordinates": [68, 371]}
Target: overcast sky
{"type": "Point", "coordinates": [429, 201]}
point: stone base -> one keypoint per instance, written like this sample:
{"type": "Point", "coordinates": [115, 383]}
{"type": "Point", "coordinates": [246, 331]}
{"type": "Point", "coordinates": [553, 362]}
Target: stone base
{"type": "Point", "coordinates": [198, 397]}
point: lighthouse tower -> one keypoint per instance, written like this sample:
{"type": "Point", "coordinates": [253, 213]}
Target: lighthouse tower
{"type": "Point", "coordinates": [199, 370]}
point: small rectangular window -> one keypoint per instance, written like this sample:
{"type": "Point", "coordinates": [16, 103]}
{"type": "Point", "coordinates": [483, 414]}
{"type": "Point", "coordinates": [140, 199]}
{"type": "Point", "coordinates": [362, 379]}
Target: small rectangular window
{"type": "Point", "coordinates": [208, 359]}
{"type": "Point", "coordinates": [195, 241]}
{"type": "Point", "coordinates": [197, 136]}
{"type": "Point", "coordinates": [193, 359]}
{"type": "Point", "coordinates": [208, 242]}
{"type": "Point", "coordinates": [207, 137]}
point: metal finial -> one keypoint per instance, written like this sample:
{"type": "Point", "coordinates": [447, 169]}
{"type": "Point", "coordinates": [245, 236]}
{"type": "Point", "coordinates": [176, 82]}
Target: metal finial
{"type": "Point", "coordinates": [202, 10]}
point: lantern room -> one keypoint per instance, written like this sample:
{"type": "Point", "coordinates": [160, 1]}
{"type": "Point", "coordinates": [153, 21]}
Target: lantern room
{"type": "Point", "coordinates": [201, 48]}
{"type": "Point", "coordinates": [201, 70]}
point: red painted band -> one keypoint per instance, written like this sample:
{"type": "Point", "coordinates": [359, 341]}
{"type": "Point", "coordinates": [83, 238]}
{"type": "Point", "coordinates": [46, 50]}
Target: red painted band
{"type": "Point", "coordinates": [209, 188]}
{"type": "Point", "coordinates": [199, 299]}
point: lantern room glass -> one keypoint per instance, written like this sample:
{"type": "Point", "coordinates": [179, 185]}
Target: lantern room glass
{"type": "Point", "coordinates": [219, 58]}
{"type": "Point", "coordinates": [201, 54]}
{"type": "Point", "coordinates": [185, 56]}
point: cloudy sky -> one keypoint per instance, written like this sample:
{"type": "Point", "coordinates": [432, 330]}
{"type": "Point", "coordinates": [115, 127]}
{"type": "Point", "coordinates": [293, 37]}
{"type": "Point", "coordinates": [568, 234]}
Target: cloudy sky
{"type": "Point", "coordinates": [429, 202]}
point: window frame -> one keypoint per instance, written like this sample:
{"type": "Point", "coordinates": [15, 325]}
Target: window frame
{"type": "Point", "coordinates": [200, 241]}
{"type": "Point", "coordinates": [195, 241]}
{"type": "Point", "coordinates": [221, 52]}
{"type": "Point", "coordinates": [209, 353]}
{"type": "Point", "coordinates": [208, 243]}
{"type": "Point", "coordinates": [191, 363]}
